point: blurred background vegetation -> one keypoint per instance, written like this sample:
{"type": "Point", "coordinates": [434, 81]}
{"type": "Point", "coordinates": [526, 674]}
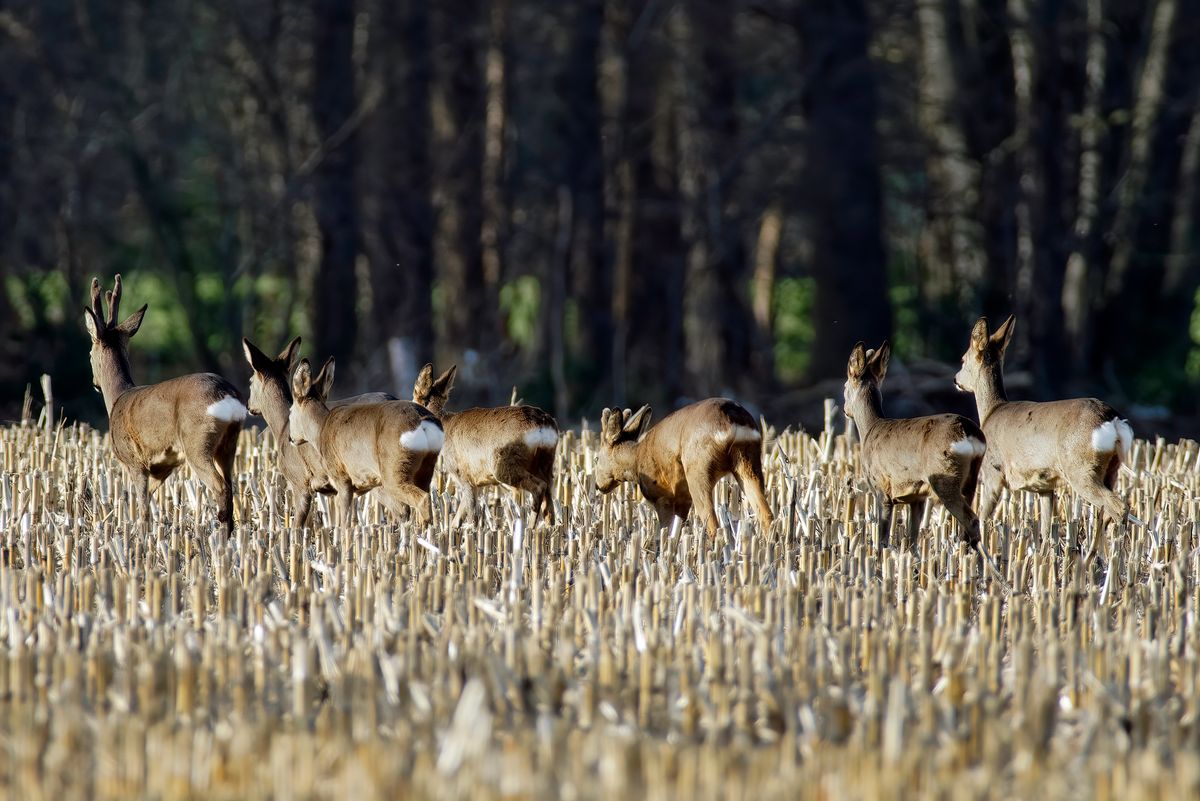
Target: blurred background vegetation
{"type": "Point", "coordinates": [609, 200]}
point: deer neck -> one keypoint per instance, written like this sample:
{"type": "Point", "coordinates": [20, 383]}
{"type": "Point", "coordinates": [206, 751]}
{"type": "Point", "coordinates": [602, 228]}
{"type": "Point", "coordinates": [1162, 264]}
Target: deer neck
{"type": "Point", "coordinates": [115, 378]}
{"type": "Point", "coordinates": [276, 408]}
{"type": "Point", "coordinates": [866, 408]}
{"type": "Point", "coordinates": [990, 393]}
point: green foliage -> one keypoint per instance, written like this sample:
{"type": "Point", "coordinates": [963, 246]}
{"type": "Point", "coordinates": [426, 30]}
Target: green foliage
{"type": "Point", "coordinates": [39, 298]}
{"type": "Point", "coordinates": [794, 331]}
{"type": "Point", "coordinates": [520, 303]}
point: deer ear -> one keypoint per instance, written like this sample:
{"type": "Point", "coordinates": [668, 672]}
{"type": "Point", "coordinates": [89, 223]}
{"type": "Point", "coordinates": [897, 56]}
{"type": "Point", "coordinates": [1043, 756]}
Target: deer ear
{"type": "Point", "coordinates": [979, 334]}
{"type": "Point", "coordinates": [287, 356]}
{"type": "Point", "coordinates": [445, 381]}
{"type": "Point", "coordinates": [324, 380]}
{"type": "Point", "coordinates": [94, 326]}
{"type": "Point", "coordinates": [858, 362]}
{"type": "Point", "coordinates": [638, 423]}
{"type": "Point", "coordinates": [610, 426]}
{"type": "Point", "coordinates": [424, 383]}
{"type": "Point", "coordinates": [879, 363]}
{"type": "Point", "coordinates": [258, 361]}
{"type": "Point", "coordinates": [133, 322]}
{"type": "Point", "coordinates": [302, 380]}
{"type": "Point", "coordinates": [1004, 334]}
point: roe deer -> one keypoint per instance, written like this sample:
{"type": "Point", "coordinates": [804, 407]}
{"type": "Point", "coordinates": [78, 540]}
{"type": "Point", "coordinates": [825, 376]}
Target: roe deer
{"type": "Point", "coordinates": [678, 462]}
{"type": "Point", "coordinates": [907, 459]}
{"type": "Point", "coordinates": [1038, 447]}
{"type": "Point", "coordinates": [154, 429]}
{"type": "Point", "coordinates": [271, 397]}
{"type": "Point", "coordinates": [511, 445]}
{"type": "Point", "coordinates": [391, 446]}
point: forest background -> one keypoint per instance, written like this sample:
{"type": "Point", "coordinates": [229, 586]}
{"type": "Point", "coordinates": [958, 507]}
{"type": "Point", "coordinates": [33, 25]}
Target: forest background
{"type": "Point", "coordinates": [608, 201]}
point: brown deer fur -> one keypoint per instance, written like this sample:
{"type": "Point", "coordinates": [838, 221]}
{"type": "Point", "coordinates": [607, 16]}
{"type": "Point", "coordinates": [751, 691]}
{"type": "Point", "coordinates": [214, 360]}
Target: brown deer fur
{"type": "Point", "coordinates": [906, 460]}
{"type": "Point", "coordinates": [154, 429]}
{"type": "Point", "coordinates": [1039, 447]}
{"type": "Point", "coordinates": [678, 462]}
{"type": "Point", "coordinates": [510, 445]}
{"type": "Point", "coordinates": [391, 446]}
{"type": "Point", "coordinates": [271, 397]}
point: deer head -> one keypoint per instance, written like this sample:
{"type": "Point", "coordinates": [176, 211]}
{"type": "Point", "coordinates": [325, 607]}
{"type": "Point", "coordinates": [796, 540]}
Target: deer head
{"type": "Point", "coordinates": [983, 363]}
{"type": "Point", "coordinates": [269, 377]}
{"type": "Point", "coordinates": [309, 396]}
{"type": "Point", "coordinates": [434, 393]}
{"type": "Point", "coordinates": [620, 431]}
{"type": "Point", "coordinates": [110, 341]}
{"type": "Point", "coordinates": [864, 376]}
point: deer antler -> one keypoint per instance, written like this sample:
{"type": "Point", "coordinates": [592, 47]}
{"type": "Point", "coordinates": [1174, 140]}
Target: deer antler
{"type": "Point", "coordinates": [114, 301]}
{"type": "Point", "coordinates": [96, 310]}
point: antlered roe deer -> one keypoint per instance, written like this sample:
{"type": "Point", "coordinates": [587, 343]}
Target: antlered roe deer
{"type": "Point", "coordinates": [154, 429]}
{"type": "Point", "coordinates": [391, 446]}
{"type": "Point", "coordinates": [1039, 447]}
{"type": "Point", "coordinates": [510, 445]}
{"type": "Point", "coordinates": [678, 462]}
{"type": "Point", "coordinates": [907, 459]}
{"type": "Point", "coordinates": [271, 397]}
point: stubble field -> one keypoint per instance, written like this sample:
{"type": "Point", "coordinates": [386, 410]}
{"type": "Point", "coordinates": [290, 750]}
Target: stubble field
{"type": "Point", "coordinates": [598, 658]}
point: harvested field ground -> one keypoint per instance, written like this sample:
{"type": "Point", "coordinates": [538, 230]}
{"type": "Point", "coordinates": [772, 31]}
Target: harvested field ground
{"type": "Point", "coordinates": [599, 658]}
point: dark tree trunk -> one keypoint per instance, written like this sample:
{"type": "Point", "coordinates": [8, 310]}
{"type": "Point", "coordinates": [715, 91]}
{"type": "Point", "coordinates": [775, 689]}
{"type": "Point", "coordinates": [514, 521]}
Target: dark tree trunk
{"type": "Point", "coordinates": [466, 321]}
{"type": "Point", "coordinates": [717, 322]}
{"type": "Point", "coordinates": [583, 174]}
{"type": "Point", "coordinates": [842, 184]}
{"type": "Point", "coordinates": [398, 186]}
{"type": "Point", "coordinates": [335, 293]}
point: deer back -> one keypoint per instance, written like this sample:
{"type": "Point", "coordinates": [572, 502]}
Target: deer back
{"type": "Point", "coordinates": [1037, 444]}
{"type": "Point", "coordinates": [477, 440]}
{"type": "Point", "coordinates": [899, 455]}
{"type": "Point", "coordinates": [177, 415]}
{"type": "Point", "coordinates": [370, 442]}
{"type": "Point", "coordinates": [699, 436]}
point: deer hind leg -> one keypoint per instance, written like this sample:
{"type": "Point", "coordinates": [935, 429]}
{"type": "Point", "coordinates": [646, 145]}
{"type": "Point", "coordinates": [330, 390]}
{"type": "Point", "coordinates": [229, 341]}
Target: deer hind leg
{"type": "Point", "coordinates": [949, 490]}
{"type": "Point", "coordinates": [211, 459]}
{"type": "Point", "coordinates": [416, 499]}
{"type": "Point", "coordinates": [991, 484]}
{"type": "Point", "coordinates": [515, 474]}
{"type": "Point", "coordinates": [887, 508]}
{"type": "Point", "coordinates": [916, 511]}
{"type": "Point", "coordinates": [747, 470]}
{"type": "Point", "coordinates": [700, 482]}
{"type": "Point", "coordinates": [1090, 486]}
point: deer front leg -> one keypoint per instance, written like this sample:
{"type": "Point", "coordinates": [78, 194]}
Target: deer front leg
{"type": "Point", "coordinates": [991, 484]}
{"type": "Point", "coordinates": [343, 504]}
{"type": "Point", "coordinates": [884, 525]}
{"type": "Point", "coordinates": [916, 510]}
{"type": "Point", "coordinates": [141, 486]}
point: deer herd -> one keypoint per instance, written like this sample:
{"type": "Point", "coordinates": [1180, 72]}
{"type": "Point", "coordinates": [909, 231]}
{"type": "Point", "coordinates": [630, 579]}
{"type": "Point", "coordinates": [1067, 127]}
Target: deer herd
{"type": "Point", "coordinates": [377, 442]}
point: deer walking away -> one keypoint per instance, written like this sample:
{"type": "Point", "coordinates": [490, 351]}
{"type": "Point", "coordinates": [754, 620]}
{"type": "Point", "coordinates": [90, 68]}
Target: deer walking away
{"type": "Point", "coordinates": [509, 445]}
{"type": "Point", "coordinates": [678, 462]}
{"type": "Point", "coordinates": [1041, 447]}
{"type": "Point", "coordinates": [907, 460]}
{"type": "Point", "coordinates": [154, 429]}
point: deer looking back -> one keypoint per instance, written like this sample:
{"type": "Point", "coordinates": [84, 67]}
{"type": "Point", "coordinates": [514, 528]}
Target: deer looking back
{"type": "Point", "coordinates": [154, 429]}
{"type": "Point", "coordinates": [906, 460]}
{"type": "Point", "coordinates": [392, 446]}
{"type": "Point", "coordinates": [511, 445]}
{"type": "Point", "coordinates": [678, 462]}
{"type": "Point", "coordinates": [1041, 446]}
{"type": "Point", "coordinates": [271, 397]}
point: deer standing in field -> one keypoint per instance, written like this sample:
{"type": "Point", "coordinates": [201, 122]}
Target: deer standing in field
{"type": "Point", "coordinates": [1038, 447]}
{"type": "Point", "coordinates": [391, 446]}
{"type": "Point", "coordinates": [510, 445]}
{"type": "Point", "coordinates": [271, 398]}
{"type": "Point", "coordinates": [678, 462]}
{"type": "Point", "coordinates": [907, 460]}
{"type": "Point", "coordinates": [194, 418]}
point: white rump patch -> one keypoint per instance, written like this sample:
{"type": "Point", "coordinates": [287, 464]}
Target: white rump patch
{"type": "Point", "coordinates": [228, 409]}
{"type": "Point", "coordinates": [1113, 435]}
{"type": "Point", "coordinates": [427, 437]}
{"type": "Point", "coordinates": [970, 447]}
{"type": "Point", "coordinates": [738, 434]}
{"type": "Point", "coordinates": [544, 437]}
